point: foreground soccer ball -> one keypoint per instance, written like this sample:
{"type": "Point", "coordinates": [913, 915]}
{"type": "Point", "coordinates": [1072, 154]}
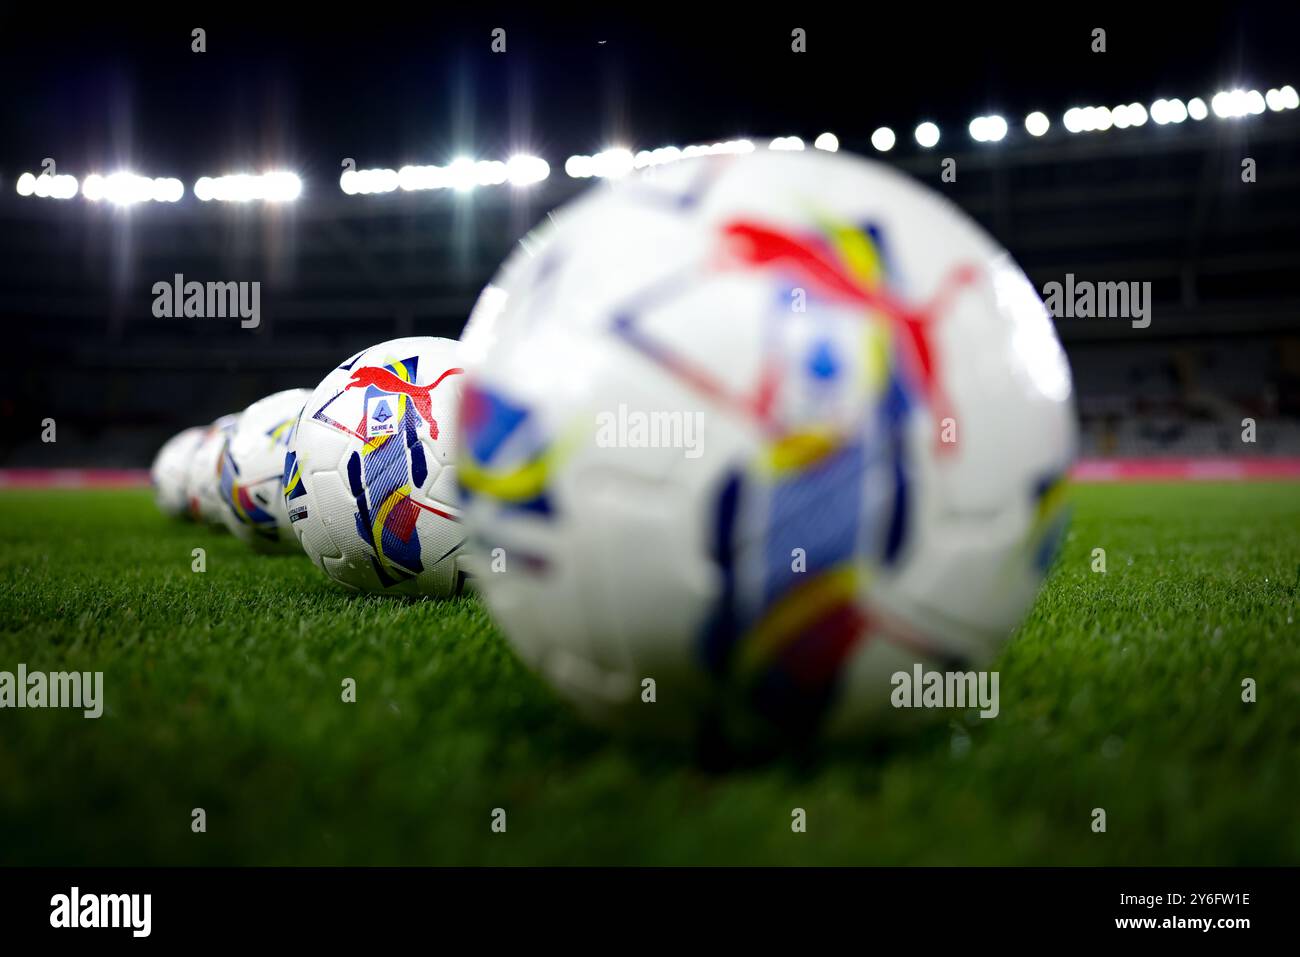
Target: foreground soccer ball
{"type": "Point", "coordinates": [370, 479]}
{"type": "Point", "coordinates": [203, 483]}
{"type": "Point", "coordinates": [252, 469]}
{"type": "Point", "coordinates": [744, 438]}
{"type": "Point", "coordinates": [170, 472]}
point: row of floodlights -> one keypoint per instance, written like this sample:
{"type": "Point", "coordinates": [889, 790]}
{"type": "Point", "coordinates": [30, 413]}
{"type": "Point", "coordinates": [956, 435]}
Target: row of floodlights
{"type": "Point", "coordinates": [278, 186]}
{"type": "Point", "coordinates": [460, 175]}
{"type": "Point", "coordinates": [612, 163]}
{"type": "Point", "coordinates": [465, 174]}
{"type": "Point", "coordinates": [615, 162]}
{"type": "Point", "coordinates": [1228, 104]}
{"type": "Point", "coordinates": [127, 189]}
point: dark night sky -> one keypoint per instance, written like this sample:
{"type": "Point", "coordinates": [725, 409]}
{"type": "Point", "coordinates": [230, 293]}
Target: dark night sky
{"type": "Point", "coordinates": [303, 91]}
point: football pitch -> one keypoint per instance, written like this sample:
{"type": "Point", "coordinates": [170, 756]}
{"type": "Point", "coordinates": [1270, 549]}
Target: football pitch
{"type": "Point", "coordinates": [222, 691]}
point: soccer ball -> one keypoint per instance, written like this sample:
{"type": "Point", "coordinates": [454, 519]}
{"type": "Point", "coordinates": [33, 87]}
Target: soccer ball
{"type": "Point", "coordinates": [252, 470]}
{"type": "Point", "coordinates": [748, 436]}
{"type": "Point", "coordinates": [170, 472]}
{"type": "Point", "coordinates": [203, 483]}
{"type": "Point", "coordinates": [370, 476]}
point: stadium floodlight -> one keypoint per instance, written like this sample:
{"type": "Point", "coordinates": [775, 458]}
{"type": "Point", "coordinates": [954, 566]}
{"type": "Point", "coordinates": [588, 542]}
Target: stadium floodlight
{"type": "Point", "coordinates": [281, 187]}
{"type": "Point", "coordinates": [46, 186]}
{"type": "Point", "coordinates": [1099, 119]}
{"type": "Point", "coordinates": [490, 173]}
{"type": "Point", "coordinates": [1197, 109]}
{"type": "Point", "coordinates": [125, 188]}
{"type": "Point", "coordinates": [276, 186]}
{"type": "Point", "coordinates": [618, 161]}
{"type": "Point", "coordinates": [736, 146]}
{"type": "Point", "coordinates": [988, 129]}
{"type": "Point", "coordinates": [1037, 123]}
{"type": "Point", "coordinates": [1234, 104]}
{"type": "Point", "coordinates": [828, 142]}
{"type": "Point", "coordinates": [238, 188]}
{"type": "Point", "coordinates": [462, 174]}
{"type": "Point", "coordinates": [26, 184]}
{"type": "Point", "coordinates": [168, 189]}
{"type": "Point", "coordinates": [1168, 111]}
{"type": "Point", "coordinates": [786, 143]}
{"type": "Point", "coordinates": [927, 134]}
{"type": "Point", "coordinates": [431, 177]}
{"type": "Point", "coordinates": [1290, 99]}
{"type": "Point", "coordinates": [665, 154]}
{"type": "Point", "coordinates": [613, 163]}
{"type": "Point", "coordinates": [578, 167]}
{"type": "Point", "coordinates": [380, 180]}
{"type": "Point", "coordinates": [525, 170]}
{"type": "Point", "coordinates": [883, 139]}
{"type": "Point", "coordinates": [647, 159]}
{"type": "Point", "coordinates": [411, 178]}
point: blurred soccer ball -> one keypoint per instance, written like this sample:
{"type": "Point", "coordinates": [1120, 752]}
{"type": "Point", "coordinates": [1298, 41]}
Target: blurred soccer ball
{"type": "Point", "coordinates": [203, 483]}
{"type": "Point", "coordinates": [763, 431]}
{"type": "Point", "coordinates": [370, 479]}
{"type": "Point", "coordinates": [252, 472]}
{"type": "Point", "coordinates": [171, 469]}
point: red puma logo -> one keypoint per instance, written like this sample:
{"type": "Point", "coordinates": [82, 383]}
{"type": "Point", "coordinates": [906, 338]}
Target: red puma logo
{"type": "Point", "coordinates": [758, 245]}
{"type": "Point", "coordinates": [381, 378]}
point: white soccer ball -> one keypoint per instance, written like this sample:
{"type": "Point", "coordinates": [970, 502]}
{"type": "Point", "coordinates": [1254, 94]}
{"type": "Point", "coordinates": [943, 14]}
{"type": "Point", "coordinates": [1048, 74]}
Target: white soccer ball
{"type": "Point", "coordinates": [748, 436]}
{"type": "Point", "coordinates": [370, 477]}
{"type": "Point", "coordinates": [203, 483]}
{"type": "Point", "coordinates": [252, 472]}
{"type": "Point", "coordinates": [170, 472]}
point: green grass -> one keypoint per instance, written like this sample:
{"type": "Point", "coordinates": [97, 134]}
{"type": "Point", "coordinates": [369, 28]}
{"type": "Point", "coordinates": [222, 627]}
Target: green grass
{"type": "Point", "coordinates": [1121, 691]}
